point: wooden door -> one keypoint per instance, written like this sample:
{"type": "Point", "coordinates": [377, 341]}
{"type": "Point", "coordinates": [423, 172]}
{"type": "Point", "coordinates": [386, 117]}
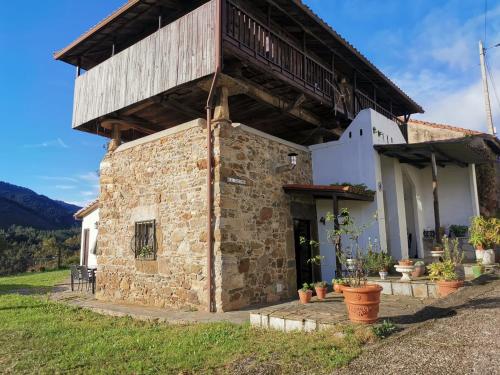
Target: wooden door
{"type": "Point", "coordinates": [86, 234]}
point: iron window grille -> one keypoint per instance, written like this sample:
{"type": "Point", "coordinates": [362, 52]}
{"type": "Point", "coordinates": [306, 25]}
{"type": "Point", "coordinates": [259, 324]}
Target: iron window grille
{"type": "Point", "coordinates": [144, 241]}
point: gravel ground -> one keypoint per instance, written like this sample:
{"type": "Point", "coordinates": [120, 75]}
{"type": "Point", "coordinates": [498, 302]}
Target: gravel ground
{"type": "Point", "coordinates": [457, 335]}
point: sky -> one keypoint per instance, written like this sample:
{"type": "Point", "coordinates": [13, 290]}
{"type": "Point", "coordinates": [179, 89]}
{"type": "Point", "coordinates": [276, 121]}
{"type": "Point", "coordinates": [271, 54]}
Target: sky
{"type": "Point", "coordinates": [427, 47]}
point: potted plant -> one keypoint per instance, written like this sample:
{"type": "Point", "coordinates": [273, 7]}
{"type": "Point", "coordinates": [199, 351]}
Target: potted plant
{"type": "Point", "coordinates": [476, 235]}
{"type": "Point", "coordinates": [385, 262]}
{"type": "Point", "coordinates": [458, 230]}
{"type": "Point", "coordinates": [478, 268]}
{"type": "Point", "coordinates": [446, 278]}
{"type": "Point", "coordinates": [362, 299]}
{"type": "Point", "coordinates": [448, 273]}
{"type": "Point", "coordinates": [338, 284]}
{"type": "Point", "coordinates": [419, 269]}
{"type": "Point", "coordinates": [305, 293]}
{"type": "Point", "coordinates": [321, 288]}
{"type": "Point", "coordinates": [484, 236]}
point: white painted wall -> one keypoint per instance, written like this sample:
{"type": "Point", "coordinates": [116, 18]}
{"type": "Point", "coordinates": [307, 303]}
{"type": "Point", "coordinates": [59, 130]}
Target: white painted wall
{"type": "Point", "coordinates": [89, 222]}
{"type": "Point", "coordinates": [352, 159]}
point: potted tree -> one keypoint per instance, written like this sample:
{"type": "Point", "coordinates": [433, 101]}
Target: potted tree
{"type": "Point", "coordinates": [362, 299]}
{"type": "Point", "coordinates": [305, 293]}
{"type": "Point", "coordinates": [321, 288]}
{"type": "Point", "coordinates": [484, 236]}
{"type": "Point", "coordinates": [448, 273]}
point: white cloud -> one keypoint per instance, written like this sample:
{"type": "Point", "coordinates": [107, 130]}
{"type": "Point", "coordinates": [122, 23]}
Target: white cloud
{"type": "Point", "coordinates": [58, 143]}
{"type": "Point", "coordinates": [58, 178]}
{"type": "Point", "coordinates": [89, 177]}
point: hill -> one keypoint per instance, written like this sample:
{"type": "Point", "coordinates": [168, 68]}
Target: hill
{"type": "Point", "coordinates": [24, 207]}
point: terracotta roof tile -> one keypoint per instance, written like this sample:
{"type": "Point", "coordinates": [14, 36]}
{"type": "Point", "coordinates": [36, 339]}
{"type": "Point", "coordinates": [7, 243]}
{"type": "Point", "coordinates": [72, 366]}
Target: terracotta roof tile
{"type": "Point", "coordinates": [92, 206]}
{"type": "Point", "coordinates": [444, 126]}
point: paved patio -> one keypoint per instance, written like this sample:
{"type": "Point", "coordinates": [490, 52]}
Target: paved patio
{"type": "Point", "coordinates": [83, 299]}
{"type": "Point", "coordinates": [285, 316]}
{"type": "Point", "coordinates": [322, 314]}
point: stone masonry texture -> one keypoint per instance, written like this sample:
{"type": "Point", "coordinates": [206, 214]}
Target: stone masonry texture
{"type": "Point", "coordinates": [165, 179]}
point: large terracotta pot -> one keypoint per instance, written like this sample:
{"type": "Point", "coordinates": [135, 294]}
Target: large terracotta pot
{"type": "Point", "coordinates": [363, 303]}
{"type": "Point", "coordinates": [305, 297]}
{"type": "Point", "coordinates": [448, 287]}
{"type": "Point", "coordinates": [320, 292]}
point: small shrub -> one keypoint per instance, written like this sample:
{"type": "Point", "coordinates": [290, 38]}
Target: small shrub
{"type": "Point", "coordinates": [384, 329]}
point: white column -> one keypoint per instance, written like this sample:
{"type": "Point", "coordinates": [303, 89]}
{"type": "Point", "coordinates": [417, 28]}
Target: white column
{"type": "Point", "coordinates": [473, 189]}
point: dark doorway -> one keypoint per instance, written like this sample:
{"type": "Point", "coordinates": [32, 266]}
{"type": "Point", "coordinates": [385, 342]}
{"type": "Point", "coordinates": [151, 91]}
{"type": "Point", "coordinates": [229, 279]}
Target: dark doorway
{"type": "Point", "coordinates": [85, 259]}
{"type": "Point", "coordinates": [302, 228]}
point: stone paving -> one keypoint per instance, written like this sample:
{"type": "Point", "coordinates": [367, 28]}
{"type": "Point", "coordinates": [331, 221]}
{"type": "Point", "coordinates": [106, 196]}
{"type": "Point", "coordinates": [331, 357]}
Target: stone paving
{"type": "Point", "coordinates": [315, 315]}
{"type": "Point", "coordinates": [62, 293]}
{"type": "Point", "coordinates": [321, 314]}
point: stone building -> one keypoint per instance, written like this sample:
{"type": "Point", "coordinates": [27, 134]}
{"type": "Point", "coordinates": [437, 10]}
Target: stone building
{"type": "Point", "coordinates": [212, 108]}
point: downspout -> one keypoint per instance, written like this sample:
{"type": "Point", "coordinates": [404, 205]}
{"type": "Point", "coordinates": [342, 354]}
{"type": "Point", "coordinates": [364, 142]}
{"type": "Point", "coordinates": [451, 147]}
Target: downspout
{"type": "Point", "coordinates": [218, 64]}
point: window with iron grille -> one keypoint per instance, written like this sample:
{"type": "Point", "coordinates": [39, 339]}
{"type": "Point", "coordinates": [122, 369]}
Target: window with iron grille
{"type": "Point", "coordinates": [144, 242]}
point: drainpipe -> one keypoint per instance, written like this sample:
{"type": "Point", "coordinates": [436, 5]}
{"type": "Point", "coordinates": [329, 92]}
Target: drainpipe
{"type": "Point", "coordinates": [218, 64]}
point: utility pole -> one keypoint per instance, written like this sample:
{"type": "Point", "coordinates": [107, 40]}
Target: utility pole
{"type": "Point", "coordinates": [486, 93]}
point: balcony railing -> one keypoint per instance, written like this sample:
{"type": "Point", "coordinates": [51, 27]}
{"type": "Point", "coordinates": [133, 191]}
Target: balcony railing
{"type": "Point", "coordinates": [362, 101]}
{"type": "Point", "coordinates": [267, 46]}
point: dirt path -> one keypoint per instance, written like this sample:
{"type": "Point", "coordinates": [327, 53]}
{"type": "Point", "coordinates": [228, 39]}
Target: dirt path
{"type": "Point", "coordinates": [457, 335]}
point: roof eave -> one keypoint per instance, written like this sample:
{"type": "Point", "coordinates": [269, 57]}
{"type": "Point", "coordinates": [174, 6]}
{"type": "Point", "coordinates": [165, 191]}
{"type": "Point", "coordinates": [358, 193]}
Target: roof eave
{"type": "Point", "coordinates": [59, 55]}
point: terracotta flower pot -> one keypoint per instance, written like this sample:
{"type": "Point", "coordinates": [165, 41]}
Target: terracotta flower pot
{"type": "Point", "coordinates": [337, 288]}
{"type": "Point", "coordinates": [405, 262]}
{"type": "Point", "coordinates": [448, 287]}
{"type": "Point", "coordinates": [418, 271]}
{"type": "Point", "coordinates": [363, 303]}
{"type": "Point", "coordinates": [305, 297]}
{"type": "Point", "coordinates": [437, 248]}
{"type": "Point", "coordinates": [320, 292]}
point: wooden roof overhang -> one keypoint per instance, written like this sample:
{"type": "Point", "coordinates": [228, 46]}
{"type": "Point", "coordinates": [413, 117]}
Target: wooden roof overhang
{"type": "Point", "coordinates": [328, 192]}
{"type": "Point", "coordinates": [477, 149]}
{"type": "Point", "coordinates": [139, 18]}
{"type": "Point", "coordinates": [129, 24]}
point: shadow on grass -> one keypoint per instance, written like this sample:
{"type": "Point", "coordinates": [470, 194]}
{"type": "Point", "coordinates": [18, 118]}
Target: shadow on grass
{"type": "Point", "coordinates": [24, 289]}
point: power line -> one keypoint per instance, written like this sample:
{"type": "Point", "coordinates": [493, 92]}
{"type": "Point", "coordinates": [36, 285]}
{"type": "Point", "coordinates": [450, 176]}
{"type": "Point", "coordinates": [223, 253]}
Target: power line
{"type": "Point", "coordinates": [490, 74]}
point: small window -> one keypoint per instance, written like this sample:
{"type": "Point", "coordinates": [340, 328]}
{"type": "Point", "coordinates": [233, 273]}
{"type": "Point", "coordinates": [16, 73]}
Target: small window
{"type": "Point", "coordinates": [350, 135]}
{"type": "Point", "coordinates": [361, 132]}
{"type": "Point", "coordinates": [144, 242]}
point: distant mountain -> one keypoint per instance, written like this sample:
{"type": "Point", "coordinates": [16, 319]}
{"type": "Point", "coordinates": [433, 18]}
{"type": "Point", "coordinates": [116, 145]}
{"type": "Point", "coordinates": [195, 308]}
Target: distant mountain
{"type": "Point", "coordinates": [21, 206]}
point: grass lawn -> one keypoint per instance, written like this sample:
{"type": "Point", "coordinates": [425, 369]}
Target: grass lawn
{"type": "Point", "coordinates": [39, 336]}
{"type": "Point", "coordinates": [32, 282]}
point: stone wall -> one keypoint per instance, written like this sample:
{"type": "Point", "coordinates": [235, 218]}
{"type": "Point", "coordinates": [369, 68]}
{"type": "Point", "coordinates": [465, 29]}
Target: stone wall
{"type": "Point", "coordinates": [161, 177]}
{"type": "Point", "coordinates": [255, 253]}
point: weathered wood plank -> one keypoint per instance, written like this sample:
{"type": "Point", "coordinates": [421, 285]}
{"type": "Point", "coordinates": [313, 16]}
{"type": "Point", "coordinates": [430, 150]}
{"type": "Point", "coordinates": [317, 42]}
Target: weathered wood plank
{"type": "Point", "coordinates": [180, 52]}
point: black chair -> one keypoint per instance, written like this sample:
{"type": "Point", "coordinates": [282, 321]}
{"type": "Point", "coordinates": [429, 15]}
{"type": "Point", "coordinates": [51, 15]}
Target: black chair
{"type": "Point", "coordinates": [87, 277]}
{"type": "Point", "coordinates": [75, 276]}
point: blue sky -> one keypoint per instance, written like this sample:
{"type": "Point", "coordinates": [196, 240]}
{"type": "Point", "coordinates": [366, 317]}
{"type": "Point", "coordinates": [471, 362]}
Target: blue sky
{"type": "Point", "coordinates": [429, 48]}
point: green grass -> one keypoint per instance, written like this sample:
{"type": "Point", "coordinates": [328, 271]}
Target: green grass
{"type": "Point", "coordinates": [39, 336]}
{"type": "Point", "coordinates": [34, 282]}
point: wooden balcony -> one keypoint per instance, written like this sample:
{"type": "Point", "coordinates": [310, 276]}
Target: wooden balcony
{"type": "Point", "coordinates": [180, 52]}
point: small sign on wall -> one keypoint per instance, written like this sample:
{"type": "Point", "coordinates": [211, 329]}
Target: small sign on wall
{"type": "Point", "coordinates": [236, 181]}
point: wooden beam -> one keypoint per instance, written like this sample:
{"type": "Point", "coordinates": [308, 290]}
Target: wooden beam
{"type": "Point", "coordinates": [172, 104]}
{"type": "Point", "coordinates": [437, 223]}
{"type": "Point", "coordinates": [297, 103]}
{"type": "Point", "coordinates": [259, 94]}
{"type": "Point", "coordinates": [451, 159]}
